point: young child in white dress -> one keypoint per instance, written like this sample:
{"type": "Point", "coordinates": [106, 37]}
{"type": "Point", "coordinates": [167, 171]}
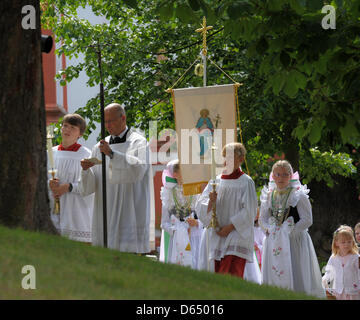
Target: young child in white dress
{"type": "Point", "coordinates": [289, 259]}
{"type": "Point", "coordinates": [342, 272]}
{"type": "Point", "coordinates": [74, 219]}
{"type": "Point", "coordinates": [178, 220]}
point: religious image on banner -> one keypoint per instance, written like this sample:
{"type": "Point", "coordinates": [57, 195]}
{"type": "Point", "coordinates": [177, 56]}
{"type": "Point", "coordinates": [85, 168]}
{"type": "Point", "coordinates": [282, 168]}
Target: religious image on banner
{"type": "Point", "coordinates": [206, 130]}
{"type": "Point", "coordinates": [203, 115]}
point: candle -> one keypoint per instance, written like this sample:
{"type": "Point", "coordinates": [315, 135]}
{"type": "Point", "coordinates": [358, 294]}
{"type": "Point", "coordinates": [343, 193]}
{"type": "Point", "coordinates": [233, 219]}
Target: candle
{"type": "Point", "coordinates": [49, 148]}
{"type": "Point", "coordinates": [213, 164]}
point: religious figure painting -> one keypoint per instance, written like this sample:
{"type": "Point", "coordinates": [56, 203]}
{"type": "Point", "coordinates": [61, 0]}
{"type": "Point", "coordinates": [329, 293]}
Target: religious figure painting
{"type": "Point", "coordinates": [202, 116]}
{"type": "Point", "coordinates": [206, 129]}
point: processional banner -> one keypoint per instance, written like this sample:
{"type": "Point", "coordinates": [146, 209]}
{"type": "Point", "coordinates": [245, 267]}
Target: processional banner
{"type": "Point", "coordinates": [203, 115]}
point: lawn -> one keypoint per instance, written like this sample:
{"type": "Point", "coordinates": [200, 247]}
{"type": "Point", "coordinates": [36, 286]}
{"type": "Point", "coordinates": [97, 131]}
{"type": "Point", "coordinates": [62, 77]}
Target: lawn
{"type": "Point", "coordinates": [67, 269]}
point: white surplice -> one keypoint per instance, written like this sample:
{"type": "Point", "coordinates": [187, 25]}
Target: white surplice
{"type": "Point", "coordinates": [128, 187]}
{"type": "Point", "coordinates": [236, 204]}
{"type": "Point", "coordinates": [289, 259]}
{"type": "Point", "coordinates": [74, 220]}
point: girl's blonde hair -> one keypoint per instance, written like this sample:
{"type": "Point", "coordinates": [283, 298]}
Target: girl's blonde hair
{"type": "Point", "coordinates": [346, 232]}
{"type": "Point", "coordinates": [283, 164]}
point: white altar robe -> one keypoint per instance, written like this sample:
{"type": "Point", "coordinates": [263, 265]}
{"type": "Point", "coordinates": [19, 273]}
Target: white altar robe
{"type": "Point", "coordinates": [128, 187]}
{"type": "Point", "coordinates": [74, 220]}
{"type": "Point", "coordinates": [237, 204]}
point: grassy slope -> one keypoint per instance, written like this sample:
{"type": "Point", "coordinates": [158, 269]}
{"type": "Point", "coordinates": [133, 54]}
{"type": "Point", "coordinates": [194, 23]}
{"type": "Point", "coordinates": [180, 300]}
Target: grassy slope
{"type": "Point", "coordinates": [70, 270]}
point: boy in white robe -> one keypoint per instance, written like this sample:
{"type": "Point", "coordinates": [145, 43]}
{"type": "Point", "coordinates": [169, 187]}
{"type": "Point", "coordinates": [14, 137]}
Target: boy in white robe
{"type": "Point", "coordinates": [74, 219]}
{"type": "Point", "coordinates": [127, 185]}
{"type": "Point", "coordinates": [232, 243]}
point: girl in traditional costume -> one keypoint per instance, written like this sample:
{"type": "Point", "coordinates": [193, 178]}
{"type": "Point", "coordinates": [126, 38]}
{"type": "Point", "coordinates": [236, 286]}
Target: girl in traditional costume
{"type": "Point", "coordinates": [289, 259]}
{"type": "Point", "coordinates": [74, 219]}
{"type": "Point", "coordinates": [179, 221]}
{"type": "Point", "coordinates": [342, 272]}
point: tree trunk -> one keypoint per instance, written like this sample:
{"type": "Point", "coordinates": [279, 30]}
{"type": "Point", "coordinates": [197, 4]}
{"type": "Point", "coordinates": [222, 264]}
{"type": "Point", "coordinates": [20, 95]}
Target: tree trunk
{"type": "Point", "coordinates": [291, 149]}
{"type": "Point", "coordinates": [23, 185]}
{"type": "Point", "coordinates": [332, 207]}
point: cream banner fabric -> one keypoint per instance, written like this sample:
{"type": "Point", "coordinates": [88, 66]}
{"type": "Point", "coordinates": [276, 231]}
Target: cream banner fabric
{"type": "Point", "coordinates": [201, 115]}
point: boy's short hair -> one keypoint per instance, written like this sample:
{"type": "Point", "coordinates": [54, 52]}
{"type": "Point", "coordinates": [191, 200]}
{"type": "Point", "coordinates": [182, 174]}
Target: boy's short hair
{"type": "Point", "coordinates": [75, 120]}
{"type": "Point", "coordinates": [357, 226]}
{"type": "Point", "coordinates": [236, 148]}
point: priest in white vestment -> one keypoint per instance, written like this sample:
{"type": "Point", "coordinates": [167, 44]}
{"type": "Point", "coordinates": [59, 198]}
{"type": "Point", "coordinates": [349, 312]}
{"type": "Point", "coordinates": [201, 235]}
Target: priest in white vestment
{"type": "Point", "coordinates": [128, 171]}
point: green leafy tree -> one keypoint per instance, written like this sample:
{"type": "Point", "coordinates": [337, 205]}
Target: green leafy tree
{"type": "Point", "coordinates": [316, 68]}
{"type": "Point", "coordinates": [299, 97]}
{"type": "Point", "coordinates": [307, 88]}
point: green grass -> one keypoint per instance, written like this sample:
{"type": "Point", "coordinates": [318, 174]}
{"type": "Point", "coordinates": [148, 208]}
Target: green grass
{"type": "Point", "coordinates": [71, 270]}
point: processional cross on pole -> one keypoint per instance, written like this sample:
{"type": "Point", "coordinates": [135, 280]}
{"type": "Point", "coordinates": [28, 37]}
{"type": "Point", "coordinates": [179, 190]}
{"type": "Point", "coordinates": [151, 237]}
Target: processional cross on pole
{"type": "Point", "coordinates": [214, 222]}
{"type": "Point", "coordinates": [204, 31]}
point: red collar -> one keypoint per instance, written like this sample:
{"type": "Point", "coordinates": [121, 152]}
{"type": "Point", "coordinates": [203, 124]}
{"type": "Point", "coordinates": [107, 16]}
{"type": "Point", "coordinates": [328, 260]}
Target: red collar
{"type": "Point", "coordinates": [234, 175]}
{"type": "Point", "coordinates": [74, 147]}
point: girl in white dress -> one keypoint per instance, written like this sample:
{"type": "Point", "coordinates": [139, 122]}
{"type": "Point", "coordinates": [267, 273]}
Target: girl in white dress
{"type": "Point", "coordinates": [74, 220]}
{"type": "Point", "coordinates": [342, 272]}
{"type": "Point", "coordinates": [289, 259]}
{"type": "Point", "coordinates": [178, 220]}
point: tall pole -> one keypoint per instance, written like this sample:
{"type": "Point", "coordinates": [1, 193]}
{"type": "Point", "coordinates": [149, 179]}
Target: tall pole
{"type": "Point", "coordinates": [204, 64]}
{"type": "Point", "coordinates": [103, 157]}
{"type": "Point", "coordinates": [204, 29]}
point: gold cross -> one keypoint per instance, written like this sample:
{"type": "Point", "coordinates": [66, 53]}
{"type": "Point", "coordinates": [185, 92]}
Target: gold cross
{"type": "Point", "coordinates": [204, 30]}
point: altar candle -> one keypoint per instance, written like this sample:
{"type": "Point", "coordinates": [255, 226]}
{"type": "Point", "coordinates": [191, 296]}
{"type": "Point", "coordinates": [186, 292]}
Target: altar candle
{"type": "Point", "coordinates": [50, 150]}
{"type": "Point", "coordinates": [213, 164]}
